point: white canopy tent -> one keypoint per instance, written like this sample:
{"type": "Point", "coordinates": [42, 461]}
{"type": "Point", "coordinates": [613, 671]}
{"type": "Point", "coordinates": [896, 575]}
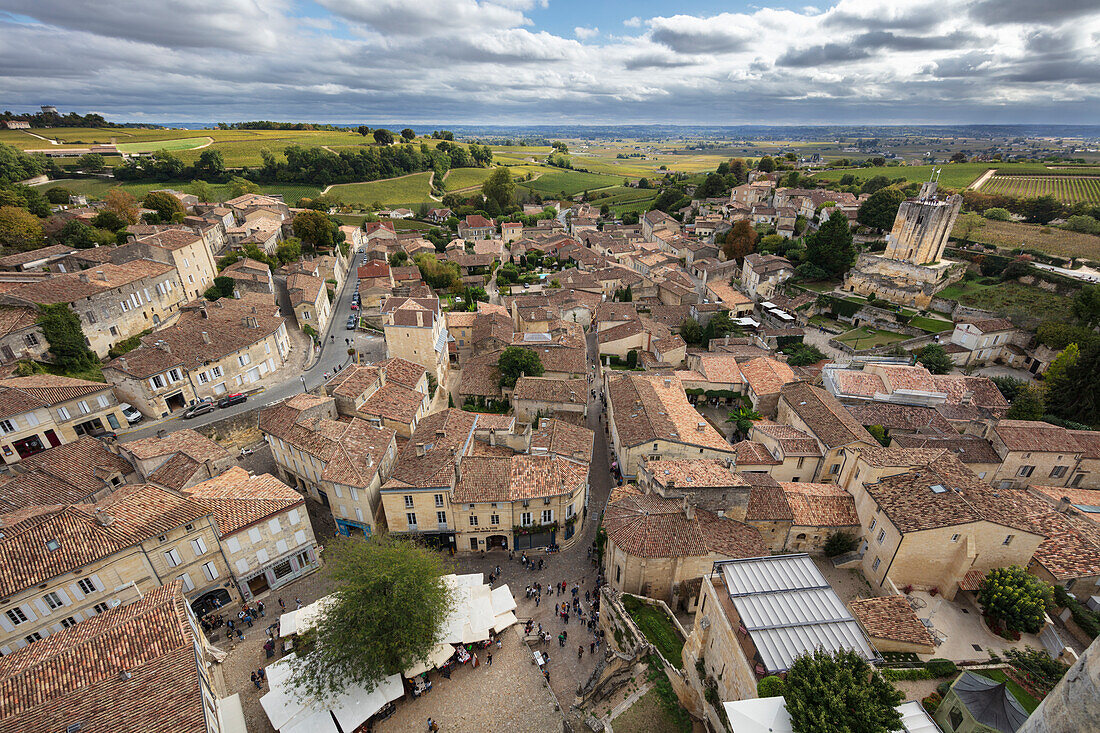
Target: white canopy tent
{"type": "Point", "coordinates": [476, 611]}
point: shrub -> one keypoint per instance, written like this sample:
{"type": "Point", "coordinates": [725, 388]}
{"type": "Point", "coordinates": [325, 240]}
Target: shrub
{"type": "Point", "coordinates": [840, 542]}
{"type": "Point", "coordinates": [770, 686]}
{"type": "Point", "coordinates": [932, 702]}
{"type": "Point", "coordinates": [916, 673]}
{"type": "Point", "coordinates": [1086, 618]}
{"type": "Point", "coordinates": [1015, 597]}
{"type": "Point", "coordinates": [997, 214]}
{"type": "Point", "coordinates": [941, 667]}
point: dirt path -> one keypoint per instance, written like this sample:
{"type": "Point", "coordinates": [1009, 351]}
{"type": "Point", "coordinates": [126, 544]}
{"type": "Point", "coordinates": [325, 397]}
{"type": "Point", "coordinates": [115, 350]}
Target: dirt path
{"type": "Point", "coordinates": [982, 179]}
{"type": "Point", "coordinates": [49, 140]}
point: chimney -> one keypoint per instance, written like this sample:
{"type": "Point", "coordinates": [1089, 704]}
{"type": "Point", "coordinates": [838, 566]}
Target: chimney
{"type": "Point", "coordinates": [420, 318]}
{"type": "Point", "coordinates": [967, 398]}
{"type": "Point", "coordinates": [103, 519]}
{"type": "Point", "coordinates": [701, 426]}
{"type": "Point", "coordinates": [202, 310]}
{"type": "Point", "coordinates": [83, 277]}
{"type": "Point", "coordinates": [420, 449]}
{"type": "Point", "coordinates": [668, 382]}
{"type": "Point", "coordinates": [689, 509]}
{"type": "Point", "coordinates": [205, 334]}
{"type": "Point", "coordinates": [458, 465]}
{"type": "Point", "coordinates": [100, 275]}
{"type": "Point", "coordinates": [163, 346]}
{"type": "Point", "coordinates": [493, 437]}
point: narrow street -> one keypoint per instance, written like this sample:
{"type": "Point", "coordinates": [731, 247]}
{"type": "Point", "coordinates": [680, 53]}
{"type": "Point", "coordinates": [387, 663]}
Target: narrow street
{"type": "Point", "coordinates": [334, 353]}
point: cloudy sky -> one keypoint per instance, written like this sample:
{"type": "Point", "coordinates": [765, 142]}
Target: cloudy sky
{"type": "Point", "coordinates": [556, 61]}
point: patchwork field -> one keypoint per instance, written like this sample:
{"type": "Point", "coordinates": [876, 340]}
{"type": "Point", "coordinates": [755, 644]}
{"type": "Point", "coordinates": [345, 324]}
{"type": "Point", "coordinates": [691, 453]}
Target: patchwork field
{"type": "Point", "coordinates": [866, 337]}
{"type": "Point", "coordinates": [955, 176]}
{"type": "Point", "coordinates": [555, 181]}
{"type": "Point", "coordinates": [1069, 189]}
{"type": "Point", "coordinates": [151, 146]}
{"type": "Point", "coordinates": [407, 191]}
{"type": "Point", "coordinates": [460, 178]}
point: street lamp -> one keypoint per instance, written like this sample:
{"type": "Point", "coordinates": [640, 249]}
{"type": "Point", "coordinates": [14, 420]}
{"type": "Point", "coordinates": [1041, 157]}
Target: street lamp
{"type": "Point", "coordinates": [303, 378]}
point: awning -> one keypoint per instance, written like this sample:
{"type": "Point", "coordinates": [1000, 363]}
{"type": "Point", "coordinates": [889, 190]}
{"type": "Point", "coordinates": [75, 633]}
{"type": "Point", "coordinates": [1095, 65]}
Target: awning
{"type": "Point", "coordinates": [502, 600]}
{"type": "Point", "coordinates": [313, 721]}
{"type": "Point", "coordinates": [503, 621]}
{"type": "Point", "coordinates": [356, 705]}
{"type": "Point", "coordinates": [436, 658]}
{"type": "Point", "coordinates": [288, 625]}
{"type": "Point", "coordinates": [231, 715]}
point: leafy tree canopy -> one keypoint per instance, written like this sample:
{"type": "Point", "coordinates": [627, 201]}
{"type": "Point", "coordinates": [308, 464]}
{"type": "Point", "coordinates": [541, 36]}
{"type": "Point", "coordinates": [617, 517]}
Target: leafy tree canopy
{"type": "Point", "coordinates": [516, 361]}
{"type": "Point", "coordinates": [61, 327]}
{"type": "Point", "coordinates": [831, 248]}
{"type": "Point", "coordinates": [386, 614]}
{"type": "Point", "coordinates": [880, 210]}
{"type": "Point", "coordinates": [935, 359]}
{"type": "Point", "coordinates": [1016, 597]}
{"type": "Point", "coordinates": [839, 693]}
{"type": "Point", "coordinates": [20, 230]}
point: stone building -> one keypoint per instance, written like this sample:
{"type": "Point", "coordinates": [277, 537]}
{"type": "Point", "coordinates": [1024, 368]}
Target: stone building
{"type": "Point", "coordinates": [656, 546]}
{"type": "Point", "coordinates": [819, 414]}
{"type": "Point", "coordinates": [309, 298]}
{"type": "Point", "coordinates": [392, 393]}
{"type": "Point", "coordinates": [177, 460]}
{"type": "Point", "coordinates": [189, 253]}
{"type": "Point", "coordinates": [227, 346]}
{"type": "Point", "coordinates": [341, 463]}
{"type": "Point", "coordinates": [565, 399]}
{"type": "Point", "coordinates": [415, 331]}
{"type": "Point", "coordinates": [81, 472]}
{"type": "Point", "coordinates": [912, 268]}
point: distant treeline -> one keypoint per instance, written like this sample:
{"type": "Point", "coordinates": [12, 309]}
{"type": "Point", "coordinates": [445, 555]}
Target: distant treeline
{"type": "Point", "coordinates": [269, 125]}
{"type": "Point", "coordinates": [72, 119]}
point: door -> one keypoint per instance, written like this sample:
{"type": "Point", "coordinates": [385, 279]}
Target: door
{"type": "Point", "coordinates": [52, 438]}
{"type": "Point", "coordinates": [258, 585]}
{"type": "Point", "coordinates": [473, 543]}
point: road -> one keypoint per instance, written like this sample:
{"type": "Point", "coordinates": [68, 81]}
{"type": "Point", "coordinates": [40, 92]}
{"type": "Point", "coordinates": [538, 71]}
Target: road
{"type": "Point", "coordinates": [334, 353]}
{"type": "Point", "coordinates": [1085, 274]}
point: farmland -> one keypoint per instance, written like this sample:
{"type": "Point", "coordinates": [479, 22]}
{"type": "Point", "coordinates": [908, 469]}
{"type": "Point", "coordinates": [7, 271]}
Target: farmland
{"type": "Point", "coordinates": [98, 188]}
{"type": "Point", "coordinates": [955, 176]}
{"type": "Point", "coordinates": [1024, 305]}
{"type": "Point", "coordinates": [1069, 189]}
{"type": "Point", "coordinates": [554, 181]}
{"type": "Point", "coordinates": [408, 191]}
{"type": "Point", "coordinates": [1058, 242]}
{"type": "Point", "coordinates": [460, 178]}
{"type": "Point", "coordinates": [150, 146]}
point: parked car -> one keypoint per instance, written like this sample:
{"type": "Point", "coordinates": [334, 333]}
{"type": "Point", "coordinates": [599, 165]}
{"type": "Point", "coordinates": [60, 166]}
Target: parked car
{"type": "Point", "coordinates": [232, 399]}
{"type": "Point", "coordinates": [199, 408]}
{"type": "Point", "coordinates": [130, 413]}
{"type": "Point", "coordinates": [355, 306]}
{"type": "Point", "coordinates": [352, 323]}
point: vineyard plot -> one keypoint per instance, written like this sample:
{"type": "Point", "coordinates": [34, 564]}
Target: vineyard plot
{"type": "Point", "coordinates": [1067, 189]}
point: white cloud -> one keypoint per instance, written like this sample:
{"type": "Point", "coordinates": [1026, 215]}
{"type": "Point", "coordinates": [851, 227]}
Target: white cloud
{"type": "Point", "coordinates": [634, 22]}
{"type": "Point", "coordinates": [585, 33]}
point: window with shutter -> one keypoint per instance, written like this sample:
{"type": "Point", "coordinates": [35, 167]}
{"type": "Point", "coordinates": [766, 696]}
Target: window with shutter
{"type": "Point", "coordinates": [233, 544]}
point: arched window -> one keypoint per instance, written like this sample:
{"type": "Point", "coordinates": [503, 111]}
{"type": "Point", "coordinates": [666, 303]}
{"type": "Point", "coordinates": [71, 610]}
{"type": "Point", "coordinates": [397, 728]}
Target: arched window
{"type": "Point", "coordinates": [618, 574]}
{"type": "Point", "coordinates": [801, 536]}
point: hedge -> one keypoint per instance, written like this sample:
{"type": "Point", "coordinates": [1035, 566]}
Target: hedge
{"type": "Point", "coordinates": [1087, 619]}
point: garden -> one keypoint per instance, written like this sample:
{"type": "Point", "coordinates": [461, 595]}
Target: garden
{"type": "Point", "coordinates": [868, 337]}
{"type": "Point", "coordinates": [658, 628]}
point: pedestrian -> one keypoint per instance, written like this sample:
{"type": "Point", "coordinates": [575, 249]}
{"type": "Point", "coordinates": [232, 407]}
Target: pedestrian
{"type": "Point", "coordinates": [282, 606]}
{"type": "Point", "coordinates": [498, 570]}
{"type": "Point", "coordinates": [567, 617]}
{"type": "Point", "coordinates": [261, 608]}
{"type": "Point", "coordinates": [537, 599]}
{"type": "Point", "coordinates": [261, 673]}
{"type": "Point", "coordinates": [565, 634]}
{"type": "Point", "coordinates": [592, 647]}
{"type": "Point", "coordinates": [498, 642]}
{"type": "Point", "coordinates": [299, 602]}
{"type": "Point", "coordinates": [489, 660]}
{"type": "Point", "coordinates": [587, 598]}
{"type": "Point", "coordinates": [248, 619]}
{"type": "Point", "coordinates": [256, 681]}
{"type": "Point", "coordinates": [432, 726]}
{"type": "Point", "coordinates": [561, 640]}
{"type": "Point", "coordinates": [580, 651]}
{"type": "Point", "coordinates": [269, 648]}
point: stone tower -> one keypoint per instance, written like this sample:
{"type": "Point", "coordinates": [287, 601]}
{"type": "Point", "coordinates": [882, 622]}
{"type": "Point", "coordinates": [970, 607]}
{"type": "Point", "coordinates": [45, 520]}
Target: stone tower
{"type": "Point", "coordinates": [1074, 703]}
{"type": "Point", "coordinates": [922, 227]}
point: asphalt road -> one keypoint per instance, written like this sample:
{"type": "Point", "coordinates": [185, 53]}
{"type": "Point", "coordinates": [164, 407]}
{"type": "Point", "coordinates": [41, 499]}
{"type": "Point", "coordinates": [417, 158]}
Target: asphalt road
{"type": "Point", "coordinates": [334, 353]}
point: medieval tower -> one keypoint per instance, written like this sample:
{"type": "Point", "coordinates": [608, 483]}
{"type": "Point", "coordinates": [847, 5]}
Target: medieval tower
{"type": "Point", "coordinates": [922, 227]}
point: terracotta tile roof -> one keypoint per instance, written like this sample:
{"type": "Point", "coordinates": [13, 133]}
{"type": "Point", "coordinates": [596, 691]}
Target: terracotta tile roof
{"type": "Point", "coordinates": [720, 368]}
{"type": "Point", "coordinates": [352, 381]}
{"type": "Point", "coordinates": [177, 472]}
{"type": "Point", "coordinates": [768, 504]}
{"type": "Point", "coordinates": [480, 376]}
{"type": "Point", "coordinates": [621, 331]}
{"type": "Point", "coordinates": [879, 457]}
{"type": "Point", "coordinates": [765, 375]}
{"type": "Point", "coordinates": [51, 389]}
{"type": "Point", "coordinates": [18, 259]}
{"type": "Point", "coordinates": [857, 383]}
{"type": "Point", "coordinates": [702, 473]}
{"type": "Point", "coordinates": [651, 526]}
{"type": "Point", "coordinates": [727, 294]}
{"type": "Point", "coordinates": [186, 441]}
{"type": "Point", "coordinates": [17, 318]}
{"type": "Point", "coordinates": [912, 504]}
{"type": "Point", "coordinates": [1088, 441]}
{"type": "Point", "coordinates": [969, 448]}
{"type": "Point", "coordinates": [563, 439]}
{"type": "Point", "coordinates": [791, 440]}
{"type": "Point", "coordinates": [74, 675]}
{"type": "Point", "coordinates": [890, 617]}
{"type": "Point", "coordinates": [820, 505]}
{"type": "Point", "coordinates": [1076, 496]}
{"type": "Point", "coordinates": [183, 343]}
{"type": "Point", "coordinates": [304, 288]}
{"type": "Point", "coordinates": [989, 325]}
{"type": "Point", "coordinates": [1071, 548]}
{"type": "Point", "coordinates": [171, 239]}
{"type": "Point", "coordinates": [655, 407]}
{"type": "Point", "coordinates": [517, 477]}
{"type": "Point", "coordinates": [439, 434]}
{"type": "Point", "coordinates": [750, 453]}
{"type": "Point", "coordinates": [238, 499]}
{"type": "Point", "coordinates": [145, 510]}
{"type": "Point", "coordinates": [977, 391]}
{"type": "Point", "coordinates": [69, 287]}
{"type": "Point", "coordinates": [823, 414]}
{"type": "Point", "coordinates": [544, 389]}
{"type": "Point", "coordinates": [900, 376]}
{"type": "Point", "coordinates": [67, 474]}
{"type": "Point", "coordinates": [16, 402]}
{"type": "Point", "coordinates": [484, 479]}
{"type": "Point", "coordinates": [394, 402]}
{"type": "Point", "coordinates": [403, 372]}
{"type": "Point", "coordinates": [1032, 435]}
{"type": "Point", "coordinates": [901, 417]}
{"type": "Point", "coordinates": [972, 580]}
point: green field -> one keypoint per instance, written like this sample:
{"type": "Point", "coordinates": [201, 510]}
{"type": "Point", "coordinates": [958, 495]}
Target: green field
{"type": "Point", "coordinates": [460, 178]}
{"type": "Point", "coordinates": [931, 325]}
{"type": "Point", "coordinates": [1054, 241]}
{"type": "Point", "coordinates": [955, 176]}
{"type": "Point", "coordinates": [407, 191]}
{"type": "Point", "coordinates": [1069, 189]}
{"type": "Point", "coordinates": [554, 181]}
{"type": "Point", "coordinates": [1024, 305]}
{"type": "Point", "coordinates": [98, 188]}
{"type": "Point", "coordinates": [151, 146]}
{"type": "Point", "coordinates": [658, 629]}
{"type": "Point", "coordinates": [866, 337]}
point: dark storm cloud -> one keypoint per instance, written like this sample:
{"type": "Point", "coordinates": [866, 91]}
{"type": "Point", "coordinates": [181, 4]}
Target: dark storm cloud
{"type": "Point", "coordinates": [830, 53]}
{"type": "Point", "coordinates": [697, 40]}
{"type": "Point", "coordinates": [1046, 12]}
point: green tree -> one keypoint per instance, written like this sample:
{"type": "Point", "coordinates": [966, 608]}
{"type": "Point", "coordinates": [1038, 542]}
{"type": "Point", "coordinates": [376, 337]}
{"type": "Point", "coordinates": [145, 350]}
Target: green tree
{"type": "Point", "coordinates": [766, 164]}
{"type": "Point", "coordinates": [743, 418]}
{"type": "Point", "coordinates": [1063, 362]}
{"type": "Point", "coordinates": [880, 210]}
{"type": "Point", "coordinates": [91, 162]}
{"type": "Point", "coordinates": [210, 166]}
{"type": "Point", "coordinates": [1008, 386]}
{"type": "Point", "coordinates": [802, 354]}
{"type": "Point", "coordinates": [1086, 305]}
{"type": "Point", "coordinates": [123, 203]}
{"type": "Point", "coordinates": [58, 195]}
{"type": "Point", "coordinates": [1083, 223]}
{"type": "Point", "coordinates": [239, 186]}
{"type": "Point", "coordinates": [315, 229]}
{"type": "Point", "coordinates": [1016, 597]}
{"type": "Point", "coordinates": [935, 359]}
{"type": "Point", "coordinates": [831, 248]}
{"type": "Point", "coordinates": [109, 220]}
{"type": "Point", "coordinates": [61, 327]}
{"type": "Point", "coordinates": [740, 241]}
{"type": "Point", "coordinates": [438, 274]}
{"type": "Point", "coordinates": [770, 686]}
{"type": "Point", "coordinates": [839, 693]}
{"type": "Point", "coordinates": [363, 130]}
{"type": "Point", "coordinates": [77, 234]}
{"type": "Point", "coordinates": [383, 136]}
{"type": "Point", "coordinates": [879, 433]}
{"type": "Point", "coordinates": [499, 187]}
{"type": "Point", "coordinates": [1041, 209]}
{"type": "Point", "coordinates": [718, 326]}
{"type": "Point", "coordinates": [288, 251]}
{"type": "Point", "coordinates": [996, 213]}
{"type": "Point", "coordinates": [1075, 394]}
{"type": "Point", "coordinates": [690, 331]}
{"type": "Point", "coordinates": [164, 204]}
{"type": "Point", "coordinates": [386, 614]}
{"type": "Point", "coordinates": [1027, 405]}
{"type": "Point", "coordinates": [222, 288]}
{"type": "Point", "coordinates": [408, 134]}
{"type": "Point", "coordinates": [19, 229]}
{"type": "Point", "coordinates": [515, 361]}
